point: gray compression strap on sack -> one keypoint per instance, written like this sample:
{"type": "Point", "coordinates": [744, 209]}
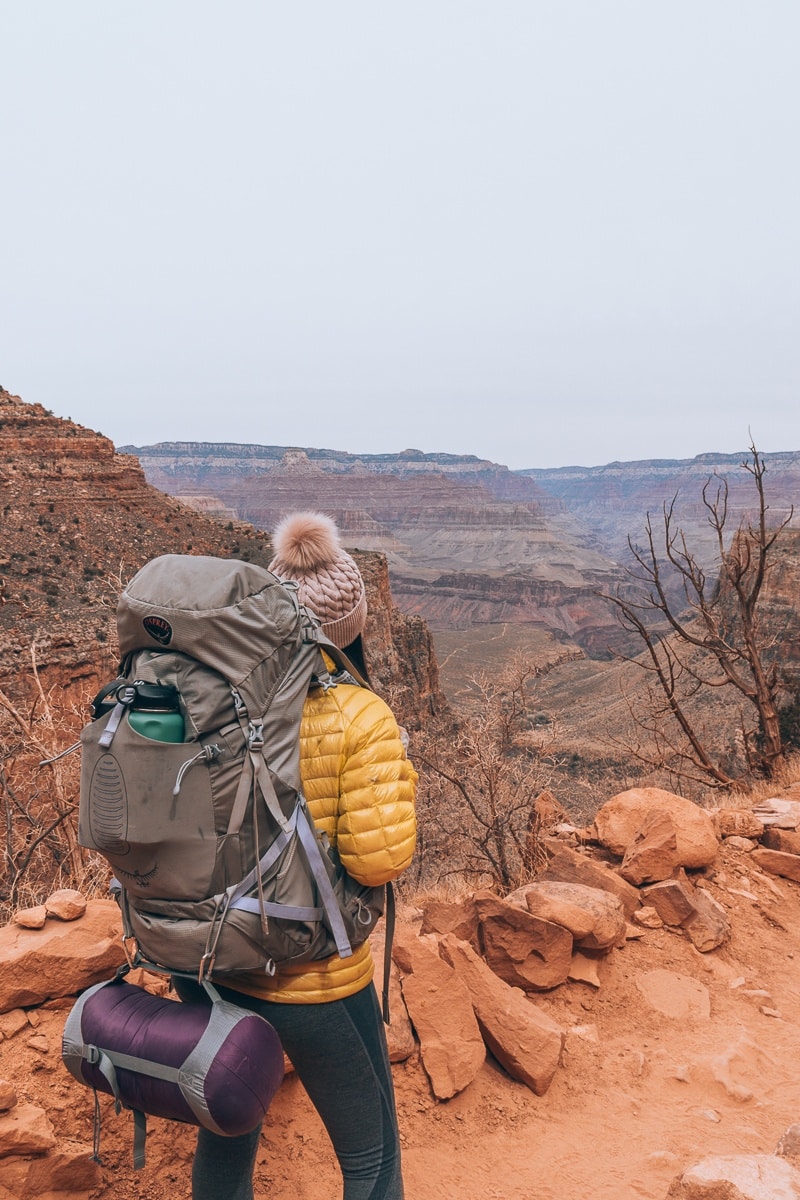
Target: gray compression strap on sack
{"type": "Point", "coordinates": [72, 1044]}
{"type": "Point", "coordinates": [223, 1018]}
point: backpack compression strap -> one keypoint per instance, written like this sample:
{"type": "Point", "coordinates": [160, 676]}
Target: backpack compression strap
{"type": "Point", "coordinates": [301, 823]}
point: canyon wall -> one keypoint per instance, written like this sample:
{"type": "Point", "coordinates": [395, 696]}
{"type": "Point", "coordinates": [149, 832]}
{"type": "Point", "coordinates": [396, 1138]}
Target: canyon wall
{"type": "Point", "coordinates": [79, 518]}
{"type": "Point", "coordinates": [468, 542]}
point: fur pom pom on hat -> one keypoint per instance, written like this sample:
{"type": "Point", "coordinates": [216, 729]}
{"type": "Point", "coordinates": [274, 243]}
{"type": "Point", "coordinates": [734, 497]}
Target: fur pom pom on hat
{"type": "Point", "coordinates": [308, 550]}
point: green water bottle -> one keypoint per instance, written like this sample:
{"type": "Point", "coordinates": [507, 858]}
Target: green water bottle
{"type": "Point", "coordinates": [160, 724]}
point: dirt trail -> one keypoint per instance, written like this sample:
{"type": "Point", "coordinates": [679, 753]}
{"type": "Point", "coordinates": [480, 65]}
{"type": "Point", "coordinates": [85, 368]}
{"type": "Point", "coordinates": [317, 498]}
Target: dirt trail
{"type": "Point", "coordinates": [677, 1055]}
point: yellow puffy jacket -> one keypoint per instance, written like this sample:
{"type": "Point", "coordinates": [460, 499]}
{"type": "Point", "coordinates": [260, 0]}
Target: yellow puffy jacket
{"type": "Point", "coordinates": [360, 789]}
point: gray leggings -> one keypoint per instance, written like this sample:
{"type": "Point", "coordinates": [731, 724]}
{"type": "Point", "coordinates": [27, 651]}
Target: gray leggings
{"type": "Point", "coordinates": [339, 1052]}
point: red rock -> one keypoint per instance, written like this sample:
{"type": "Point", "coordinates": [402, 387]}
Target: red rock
{"type": "Point", "coordinates": [653, 853]}
{"type": "Point", "coordinates": [522, 949]}
{"type": "Point", "coordinates": [594, 917]}
{"type": "Point", "coordinates": [678, 903]}
{"type": "Point", "coordinates": [787, 840]}
{"type": "Point", "coordinates": [69, 1173]}
{"type": "Point", "coordinates": [66, 905]}
{"type": "Point", "coordinates": [439, 1005]}
{"type": "Point", "coordinates": [570, 866]}
{"type": "Point", "coordinates": [13, 1021]}
{"type": "Point", "coordinates": [25, 1129]}
{"type": "Point", "coordinates": [584, 969]}
{"type": "Point", "coordinates": [737, 822]}
{"type": "Point", "coordinates": [524, 1040]}
{"type": "Point", "coordinates": [31, 918]}
{"type": "Point", "coordinates": [61, 959]}
{"type": "Point", "coordinates": [399, 1033]}
{"type": "Point", "coordinates": [738, 1177]}
{"type": "Point", "coordinates": [622, 817]}
{"type": "Point", "coordinates": [777, 862]}
{"type": "Point", "coordinates": [458, 917]}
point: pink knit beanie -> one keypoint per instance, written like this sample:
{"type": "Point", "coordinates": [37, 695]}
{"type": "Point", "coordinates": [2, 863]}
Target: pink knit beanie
{"type": "Point", "coordinates": [308, 550]}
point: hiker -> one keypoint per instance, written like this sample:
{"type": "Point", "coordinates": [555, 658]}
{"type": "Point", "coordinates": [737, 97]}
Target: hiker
{"type": "Point", "coordinates": [360, 789]}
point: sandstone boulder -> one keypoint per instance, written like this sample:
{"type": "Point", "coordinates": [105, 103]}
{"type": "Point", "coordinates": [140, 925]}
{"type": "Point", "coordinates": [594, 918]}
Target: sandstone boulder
{"type": "Point", "coordinates": [787, 840]}
{"type": "Point", "coordinates": [779, 812]}
{"type": "Point", "coordinates": [60, 959]}
{"type": "Point", "coordinates": [399, 1034]}
{"type": "Point", "coordinates": [524, 950]}
{"type": "Point", "coordinates": [25, 1129]}
{"type": "Point", "coordinates": [777, 862]}
{"type": "Point", "coordinates": [68, 1173]}
{"type": "Point", "coordinates": [440, 1007]}
{"type": "Point", "coordinates": [624, 816]}
{"type": "Point", "coordinates": [737, 822]}
{"type": "Point", "coordinates": [679, 903]}
{"type": "Point", "coordinates": [653, 853]}
{"type": "Point", "coordinates": [524, 1040]}
{"type": "Point", "coordinates": [594, 917]}
{"type": "Point", "coordinates": [738, 1177]}
{"type": "Point", "coordinates": [571, 866]}
{"type": "Point", "coordinates": [451, 916]}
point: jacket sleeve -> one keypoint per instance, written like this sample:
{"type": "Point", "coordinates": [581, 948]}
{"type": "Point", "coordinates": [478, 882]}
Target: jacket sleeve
{"type": "Point", "coordinates": [376, 822]}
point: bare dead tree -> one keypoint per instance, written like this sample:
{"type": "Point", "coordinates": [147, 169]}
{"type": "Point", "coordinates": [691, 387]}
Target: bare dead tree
{"type": "Point", "coordinates": [711, 637]}
{"type": "Point", "coordinates": [478, 787]}
{"type": "Point", "coordinates": [37, 793]}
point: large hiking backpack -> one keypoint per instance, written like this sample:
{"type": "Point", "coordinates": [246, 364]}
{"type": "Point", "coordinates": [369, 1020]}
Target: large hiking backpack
{"type": "Point", "coordinates": [218, 865]}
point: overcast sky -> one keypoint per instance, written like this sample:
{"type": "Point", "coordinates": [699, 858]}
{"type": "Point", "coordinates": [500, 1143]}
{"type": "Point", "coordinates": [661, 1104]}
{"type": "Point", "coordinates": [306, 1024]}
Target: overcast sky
{"type": "Point", "coordinates": [539, 232]}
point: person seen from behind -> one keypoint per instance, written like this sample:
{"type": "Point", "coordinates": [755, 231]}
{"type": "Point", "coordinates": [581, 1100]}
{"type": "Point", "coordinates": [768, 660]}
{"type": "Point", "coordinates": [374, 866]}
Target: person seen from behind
{"type": "Point", "coordinates": [360, 788]}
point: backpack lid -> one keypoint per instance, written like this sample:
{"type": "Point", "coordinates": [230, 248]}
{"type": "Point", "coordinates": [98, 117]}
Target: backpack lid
{"type": "Point", "coordinates": [235, 617]}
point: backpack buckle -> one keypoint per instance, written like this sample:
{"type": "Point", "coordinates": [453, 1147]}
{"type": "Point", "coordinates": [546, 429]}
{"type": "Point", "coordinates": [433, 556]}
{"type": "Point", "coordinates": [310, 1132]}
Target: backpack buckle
{"type": "Point", "coordinates": [131, 955]}
{"type": "Point", "coordinates": [255, 735]}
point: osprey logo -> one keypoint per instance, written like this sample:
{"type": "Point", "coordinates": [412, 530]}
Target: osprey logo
{"type": "Point", "coordinates": [142, 878]}
{"type": "Point", "coordinates": [159, 629]}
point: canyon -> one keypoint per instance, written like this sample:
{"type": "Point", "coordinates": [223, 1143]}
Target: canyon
{"type": "Point", "coordinates": [469, 543]}
{"type": "Point", "coordinates": [80, 518]}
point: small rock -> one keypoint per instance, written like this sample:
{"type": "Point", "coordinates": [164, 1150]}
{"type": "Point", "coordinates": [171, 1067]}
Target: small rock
{"type": "Point", "coordinates": [731, 823]}
{"type": "Point", "coordinates": [743, 844]}
{"type": "Point", "coordinates": [584, 970]}
{"type": "Point", "coordinates": [8, 1096]}
{"type": "Point", "coordinates": [66, 905]}
{"type": "Point", "coordinates": [648, 917]}
{"type": "Point", "coordinates": [25, 1129]}
{"type": "Point", "coordinates": [743, 1176]}
{"type": "Point", "coordinates": [31, 918]}
{"type": "Point", "coordinates": [13, 1022]}
{"type": "Point", "coordinates": [584, 1033]}
{"type": "Point", "coordinates": [784, 814]}
{"type": "Point", "coordinates": [778, 862]}
{"type": "Point", "coordinates": [787, 840]}
{"type": "Point", "coordinates": [38, 1041]}
{"type": "Point", "coordinates": [789, 1145]}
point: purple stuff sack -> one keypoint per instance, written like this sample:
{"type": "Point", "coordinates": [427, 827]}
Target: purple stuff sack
{"type": "Point", "coordinates": [211, 1064]}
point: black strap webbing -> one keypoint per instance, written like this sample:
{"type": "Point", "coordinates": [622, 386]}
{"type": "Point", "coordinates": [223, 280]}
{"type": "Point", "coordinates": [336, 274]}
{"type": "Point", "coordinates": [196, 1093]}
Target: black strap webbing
{"type": "Point", "coordinates": [387, 950]}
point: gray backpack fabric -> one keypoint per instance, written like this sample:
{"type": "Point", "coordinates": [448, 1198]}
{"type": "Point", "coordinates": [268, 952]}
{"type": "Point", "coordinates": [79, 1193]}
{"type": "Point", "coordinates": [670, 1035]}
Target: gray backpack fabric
{"type": "Point", "coordinates": [218, 865]}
